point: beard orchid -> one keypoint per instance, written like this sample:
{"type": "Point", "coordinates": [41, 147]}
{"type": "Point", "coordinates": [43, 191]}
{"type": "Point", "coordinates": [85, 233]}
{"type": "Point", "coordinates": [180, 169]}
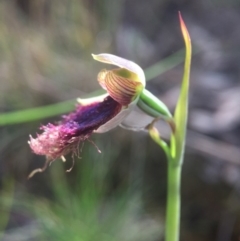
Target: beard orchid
{"type": "Point", "coordinates": [125, 92]}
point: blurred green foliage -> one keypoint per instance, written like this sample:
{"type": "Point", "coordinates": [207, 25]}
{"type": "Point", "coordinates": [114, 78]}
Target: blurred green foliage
{"type": "Point", "coordinates": [45, 61]}
{"type": "Point", "coordinates": [85, 210]}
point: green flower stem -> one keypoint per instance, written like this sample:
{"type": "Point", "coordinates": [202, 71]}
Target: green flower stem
{"type": "Point", "coordinates": [177, 146]}
{"type": "Point", "coordinates": [173, 201]}
{"type": "Point", "coordinates": [175, 150]}
{"type": "Point", "coordinates": [173, 188]}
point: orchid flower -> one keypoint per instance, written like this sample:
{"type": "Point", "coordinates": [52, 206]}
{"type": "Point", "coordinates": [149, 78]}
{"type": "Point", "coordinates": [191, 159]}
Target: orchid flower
{"type": "Point", "coordinates": [125, 92]}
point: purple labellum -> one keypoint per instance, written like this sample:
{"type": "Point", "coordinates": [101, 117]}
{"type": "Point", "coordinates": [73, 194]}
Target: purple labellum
{"type": "Point", "coordinates": [58, 140]}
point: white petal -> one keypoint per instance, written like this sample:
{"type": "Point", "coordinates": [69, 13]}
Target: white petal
{"type": "Point", "coordinates": [91, 100]}
{"type": "Point", "coordinates": [122, 63]}
{"type": "Point", "coordinates": [137, 120]}
{"type": "Point", "coordinates": [115, 121]}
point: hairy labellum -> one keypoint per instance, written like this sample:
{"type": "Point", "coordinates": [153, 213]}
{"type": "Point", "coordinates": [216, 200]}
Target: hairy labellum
{"type": "Point", "coordinates": [59, 139]}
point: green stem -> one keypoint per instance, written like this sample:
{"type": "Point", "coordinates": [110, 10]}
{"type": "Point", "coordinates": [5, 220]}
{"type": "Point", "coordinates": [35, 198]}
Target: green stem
{"type": "Point", "coordinates": [173, 201]}
{"type": "Point", "coordinates": [177, 147]}
{"type": "Point", "coordinates": [173, 188]}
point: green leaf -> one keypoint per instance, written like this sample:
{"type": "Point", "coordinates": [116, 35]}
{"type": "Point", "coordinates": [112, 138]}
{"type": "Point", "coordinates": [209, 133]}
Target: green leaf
{"type": "Point", "coordinates": [181, 111]}
{"type": "Point", "coordinates": [36, 113]}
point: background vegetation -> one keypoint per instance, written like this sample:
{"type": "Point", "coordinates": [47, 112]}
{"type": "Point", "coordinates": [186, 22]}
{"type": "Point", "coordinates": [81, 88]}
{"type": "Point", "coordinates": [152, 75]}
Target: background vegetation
{"type": "Point", "coordinates": [120, 194]}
